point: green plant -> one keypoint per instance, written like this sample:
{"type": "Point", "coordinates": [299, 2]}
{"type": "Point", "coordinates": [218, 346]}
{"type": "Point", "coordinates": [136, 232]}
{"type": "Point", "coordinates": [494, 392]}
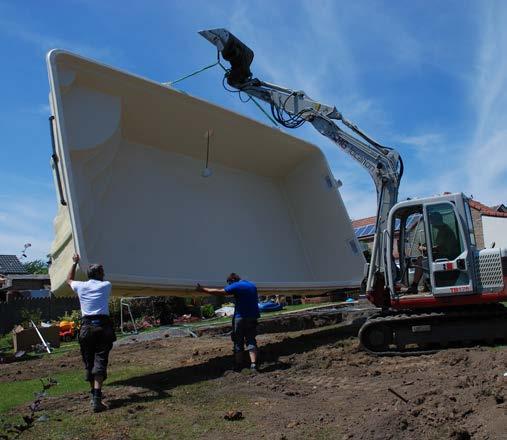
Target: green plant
{"type": "Point", "coordinates": [73, 316]}
{"type": "Point", "coordinates": [6, 342]}
{"type": "Point", "coordinates": [28, 315]}
{"type": "Point", "coordinates": [114, 310]}
{"type": "Point", "coordinates": [36, 267]}
{"type": "Point", "coordinates": [207, 311]}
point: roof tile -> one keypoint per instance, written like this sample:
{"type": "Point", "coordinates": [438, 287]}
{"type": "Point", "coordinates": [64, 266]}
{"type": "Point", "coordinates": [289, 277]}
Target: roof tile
{"type": "Point", "coordinates": [364, 222]}
{"type": "Point", "coordinates": [9, 264]}
{"type": "Point", "coordinates": [486, 210]}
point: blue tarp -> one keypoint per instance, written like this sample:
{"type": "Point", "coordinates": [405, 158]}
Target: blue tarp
{"type": "Point", "coordinates": [269, 306]}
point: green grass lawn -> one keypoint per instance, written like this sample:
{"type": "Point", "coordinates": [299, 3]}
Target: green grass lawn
{"type": "Point", "coordinates": [187, 412]}
{"type": "Point", "coordinates": [20, 392]}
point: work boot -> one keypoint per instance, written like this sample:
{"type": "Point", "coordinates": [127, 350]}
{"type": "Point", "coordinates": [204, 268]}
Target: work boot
{"type": "Point", "coordinates": [97, 404]}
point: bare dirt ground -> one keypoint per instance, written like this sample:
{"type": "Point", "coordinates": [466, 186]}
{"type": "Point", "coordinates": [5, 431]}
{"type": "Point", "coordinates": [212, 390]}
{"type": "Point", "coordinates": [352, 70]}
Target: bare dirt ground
{"type": "Point", "coordinates": [312, 384]}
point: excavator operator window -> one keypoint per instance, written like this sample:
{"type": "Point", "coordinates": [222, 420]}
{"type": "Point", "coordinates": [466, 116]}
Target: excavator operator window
{"type": "Point", "coordinates": [446, 243]}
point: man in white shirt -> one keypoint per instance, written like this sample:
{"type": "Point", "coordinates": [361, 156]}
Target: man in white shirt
{"type": "Point", "coordinates": [96, 335]}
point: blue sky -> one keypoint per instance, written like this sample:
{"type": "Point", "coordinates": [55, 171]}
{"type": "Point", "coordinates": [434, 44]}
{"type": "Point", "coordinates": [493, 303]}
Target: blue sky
{"type": "Point", "coordinates": [426, 77]}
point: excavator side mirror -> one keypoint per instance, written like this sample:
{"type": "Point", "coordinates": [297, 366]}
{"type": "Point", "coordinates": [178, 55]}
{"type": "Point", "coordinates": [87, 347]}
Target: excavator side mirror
{"type": "Point", "coordinates": [233, 50]}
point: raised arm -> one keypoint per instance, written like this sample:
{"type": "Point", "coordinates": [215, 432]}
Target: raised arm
{"type": "Point", "coordinates": [72, 271]}
{"type": "Point", "coordinates": [219, 292]}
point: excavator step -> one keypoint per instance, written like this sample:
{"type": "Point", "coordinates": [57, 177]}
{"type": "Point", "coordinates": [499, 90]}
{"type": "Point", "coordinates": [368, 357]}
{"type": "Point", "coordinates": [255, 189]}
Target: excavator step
{"type": "Point", "coordinates": [423, 333]}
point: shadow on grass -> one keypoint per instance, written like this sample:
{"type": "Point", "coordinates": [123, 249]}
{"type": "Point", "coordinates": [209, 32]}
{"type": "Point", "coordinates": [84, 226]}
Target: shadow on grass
{"type": "Point", "coordinates": [9, 358]}
{"type": "Point", "coordinates": [156, 385]}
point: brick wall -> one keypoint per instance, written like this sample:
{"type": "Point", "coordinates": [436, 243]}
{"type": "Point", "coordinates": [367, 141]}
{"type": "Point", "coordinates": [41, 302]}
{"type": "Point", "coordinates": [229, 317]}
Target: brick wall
{"type": "Point", "coordinates": [479, 234]}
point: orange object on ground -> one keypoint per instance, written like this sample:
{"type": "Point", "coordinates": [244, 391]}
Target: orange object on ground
{"type": "Point", "coordinates": [67, 330]}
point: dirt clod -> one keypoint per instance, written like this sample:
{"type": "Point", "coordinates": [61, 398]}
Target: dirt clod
{"type": "Point", "coordinates": [233, 415]}
{"type": "Point", "coordinates": [461, 434]}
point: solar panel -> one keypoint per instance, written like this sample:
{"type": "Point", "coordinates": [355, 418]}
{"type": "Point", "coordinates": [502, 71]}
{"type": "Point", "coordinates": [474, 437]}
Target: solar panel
{"type": "Point", "coordinates": [364, 231]}
{"type": "Point", "coordinates": [369, 230]}
{"type": "Point", "coordinates": [359, 231]}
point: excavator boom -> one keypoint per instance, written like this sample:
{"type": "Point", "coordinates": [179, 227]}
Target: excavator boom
{"type": "Point", "coordinates": [292, 108]}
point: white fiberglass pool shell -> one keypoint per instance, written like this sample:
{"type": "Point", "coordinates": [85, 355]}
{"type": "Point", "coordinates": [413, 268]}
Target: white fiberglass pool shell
{"type": "Point", "coordinates": [132, 155]}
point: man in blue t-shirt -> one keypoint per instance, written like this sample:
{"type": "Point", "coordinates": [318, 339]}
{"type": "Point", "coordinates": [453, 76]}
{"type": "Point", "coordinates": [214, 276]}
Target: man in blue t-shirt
{"type": "Point", "coordinates": [246, 313]}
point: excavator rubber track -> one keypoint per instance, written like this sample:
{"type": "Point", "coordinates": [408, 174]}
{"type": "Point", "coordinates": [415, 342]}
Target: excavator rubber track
{"type": "Point", "coordinates": [420, 332]}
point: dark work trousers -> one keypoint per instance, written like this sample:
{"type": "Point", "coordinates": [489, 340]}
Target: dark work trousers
{"type": "Point", "coordinates": [96, 337]}
{"type": "Point", "coordinates": [244, 330]}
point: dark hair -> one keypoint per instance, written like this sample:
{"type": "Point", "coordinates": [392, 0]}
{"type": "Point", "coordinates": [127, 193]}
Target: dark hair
{"type": "Point", "coordinates": [96, 272]}
{"type": "Point", "coordinates": [233, 278]}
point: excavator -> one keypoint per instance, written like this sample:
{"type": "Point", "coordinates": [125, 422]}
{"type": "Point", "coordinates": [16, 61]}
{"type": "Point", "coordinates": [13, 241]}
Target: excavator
{"type": "Point", "coordinates": [463, 286]}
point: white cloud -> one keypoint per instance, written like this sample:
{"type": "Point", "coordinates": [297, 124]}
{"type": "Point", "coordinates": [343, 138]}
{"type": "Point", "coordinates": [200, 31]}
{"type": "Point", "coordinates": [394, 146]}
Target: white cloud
{"type": "Point", "coordinates": [426, 147]}
{"type": "Point", "coordinates": [485, 160]}
{"type": "Point", "coordinates": [37, 110]}
{"type": "Point", "coordinates": [421, 141]}
{"type": "Point", "coordinates": [278, 53]}
{"type": "Point", "coordinates": [44, 42]}
{"type": "Point", "coordinates": [42, 109]}
{"type": "Point", "coordinates": [316, 57]}
{"type": "Point", "coordinates": [360, 199]}
{"type": "Point", "coordinates": [34, 185]}
{"type": "Point", "coordinates": [26, 219]}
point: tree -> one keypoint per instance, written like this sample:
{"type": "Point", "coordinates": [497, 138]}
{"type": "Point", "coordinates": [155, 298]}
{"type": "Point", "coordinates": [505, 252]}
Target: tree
{"type": "Point", "coordinates": [36, 267]}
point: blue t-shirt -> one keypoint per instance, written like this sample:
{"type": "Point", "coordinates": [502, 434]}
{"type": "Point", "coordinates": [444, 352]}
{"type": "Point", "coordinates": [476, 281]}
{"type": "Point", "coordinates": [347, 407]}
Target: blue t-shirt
{"type": "Point", "coordinates": [247, 300]}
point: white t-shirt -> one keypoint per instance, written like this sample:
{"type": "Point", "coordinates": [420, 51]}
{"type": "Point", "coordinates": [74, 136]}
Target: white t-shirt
{"type": "Point", "coordinates": [93, 296]}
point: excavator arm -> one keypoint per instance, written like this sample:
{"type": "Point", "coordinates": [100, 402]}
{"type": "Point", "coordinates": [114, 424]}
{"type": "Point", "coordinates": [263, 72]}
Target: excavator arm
{"type": "Point", "coordinates": [292, 108]}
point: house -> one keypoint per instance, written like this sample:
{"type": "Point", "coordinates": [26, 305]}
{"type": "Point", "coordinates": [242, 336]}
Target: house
{"type": "Point", "coordinates": [10, 265]}
{"type": "Point", "coordinates": [490, 226]}
{"type": "Point", "coordinates": [16, 282]}
{"type": "Point", "coordinates": [499, 208]}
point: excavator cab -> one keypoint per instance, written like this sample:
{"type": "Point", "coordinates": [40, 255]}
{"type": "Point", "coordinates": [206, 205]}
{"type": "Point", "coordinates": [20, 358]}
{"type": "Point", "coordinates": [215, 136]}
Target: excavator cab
{"type": "Point", "coordinates": [431, 247]}
{"type": "Point", "coordinates": [431, 242]}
